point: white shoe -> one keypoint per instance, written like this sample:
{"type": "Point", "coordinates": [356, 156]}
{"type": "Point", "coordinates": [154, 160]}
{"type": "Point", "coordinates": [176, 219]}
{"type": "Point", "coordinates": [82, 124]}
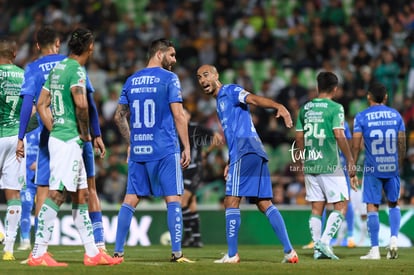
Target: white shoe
{"type": "Point", "coordinates": [373, 254]}
{"type": "Point", "coordinates": [291, 258]}
{"type": "Point", "coordinates": [393, 249]}
{"type": "Point", "coordinates": [24, 245]}
{"type": "Point", "coordinates": [228, 260]}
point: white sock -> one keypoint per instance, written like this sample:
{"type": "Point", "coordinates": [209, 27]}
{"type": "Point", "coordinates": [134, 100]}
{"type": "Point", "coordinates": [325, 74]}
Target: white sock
{"type": "Point", "coordinates": [84, 225]}
{"type": "Point", "coordinates": [14, 212]}
{"type": "Point", "coordinates": [315, 226]}
{"type": "Point", "coordinates": [46, 222]}
{"type": "Point", "coordinates": [332, 225]}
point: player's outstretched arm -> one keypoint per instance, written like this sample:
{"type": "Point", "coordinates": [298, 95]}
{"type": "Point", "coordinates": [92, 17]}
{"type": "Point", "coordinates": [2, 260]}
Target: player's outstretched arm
{"type": "Point", "coordinates": [265, 102]}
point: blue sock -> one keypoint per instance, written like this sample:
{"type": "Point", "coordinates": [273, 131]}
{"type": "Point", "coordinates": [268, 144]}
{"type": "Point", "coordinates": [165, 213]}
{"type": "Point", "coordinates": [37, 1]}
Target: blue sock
{"type": "Point", "coordinates": [323, 219]}
{"type": "Point", "coordinates": [278, 225]}
{"type": "Point", "coordinates": [25, 219]}
{"type": "Point", "coordinates": [175, 224]}
{"type": "Point", "coordinates": [124, 221]}
{"type": "Point", "coordinates": [98, 232]}
{"type": "Point", "coordinates": [233, 221]}
{"type": "Point", "coordinates": [394, 220]}
{"type": "Point", "coordinates": [349, 217]}
{"type": "Point", "coordinates": [373, 227]}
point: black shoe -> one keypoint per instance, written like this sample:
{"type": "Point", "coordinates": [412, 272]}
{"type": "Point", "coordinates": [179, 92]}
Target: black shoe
{"type": "Point", "coordinates": [181, 259]}
{"type": "Point", "coordinates": [118, 254]}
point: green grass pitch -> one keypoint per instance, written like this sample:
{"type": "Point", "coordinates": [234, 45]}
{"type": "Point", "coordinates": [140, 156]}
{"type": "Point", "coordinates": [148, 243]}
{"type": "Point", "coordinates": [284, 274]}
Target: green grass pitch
{"type": "Point", "coordinates": [255, 259]}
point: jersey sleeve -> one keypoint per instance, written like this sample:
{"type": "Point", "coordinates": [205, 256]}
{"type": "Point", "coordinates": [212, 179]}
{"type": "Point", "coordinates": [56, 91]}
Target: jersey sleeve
{"type": "Point", "coordinates": [357, 123]}
{"type": "Point", "coordinates": [174, 89]}
{"type": "Point", "coordinates": [29, 82]}
{"type": "Point", "coordinates": [123, 98]}
{"type": "Point", "coordinates": [78, 78]}
{"type": "Point", "coordinates": [299, 124]}
{"type": "Point", "coordinates": [339, 118]}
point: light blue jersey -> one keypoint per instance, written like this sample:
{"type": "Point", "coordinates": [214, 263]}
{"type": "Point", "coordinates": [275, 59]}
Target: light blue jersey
{"type": "Point", "coordinates": [240, 133]}
{"type": "Point", "coordinates": [379, 125]}
{"type": "Point", "coordinates": [149, 93]}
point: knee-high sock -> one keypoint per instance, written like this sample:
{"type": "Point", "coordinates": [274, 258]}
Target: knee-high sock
{"type": "Point", "coordinates": [332, 225]}
{"type": "Point", "coordinates": [315, 227]}
{"type": "Point", "coordinates": [83, 224]}
{"type": "Point", "coordinates": [394, 220]}
{"type": "Point", "coordinates": [45, 225]}
{"type": "Point", "coordinates": [349, 217]}
{"type": "Point", "coordinates": [175, 225]}
{"type": "Point", "coordinates": [279, 227]}
{"type": "Point", "coordinates": [233, 221]}
{"type": "Point", "coordinates": [195, 226]}
{"type": "Point", "coordinates": [186, 223]}
{"type": "Point", "coordinates": [373, 227]}
{"type": "Point", "coordinates": [124, 222]}
{"type": "Point", "coordinates": [13, 215]}
{"type": "Point", "coordinates": [98, 230]}
{"type": "Point", "coordinates": [25, 222]}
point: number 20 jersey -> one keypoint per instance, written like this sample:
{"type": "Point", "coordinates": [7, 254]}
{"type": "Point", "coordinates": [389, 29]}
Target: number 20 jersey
{"type": "Point", "coordinates": [379, 125]}
{"type": "Point", "coordinates": [149, 93]}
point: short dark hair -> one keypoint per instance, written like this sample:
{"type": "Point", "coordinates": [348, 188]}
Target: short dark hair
{"type": "Point", "coordinates": [159, 44]}
{"type": "Point", "coordinates": [377, 91]}
{"type": "Point", "coordinates": [79, 41]}
{"type": "Point", "coordinates": [46, 36]}
{"type": "Point", "coordinates": [8, 47]}
{"type": "Point", "coordinates": [327, 81]}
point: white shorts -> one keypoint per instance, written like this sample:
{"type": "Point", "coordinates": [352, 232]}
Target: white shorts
{"type": "Point", "coordinates": [326, 187]}
{"type": "Point", "coordinates": [66, 165]}
{"type": "Point", "coordinates": [12, 172]}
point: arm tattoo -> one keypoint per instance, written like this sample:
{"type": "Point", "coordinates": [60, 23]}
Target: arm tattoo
{"type": "Point", "coordinates": [121, 115]}
{"type": "Point", "coordinates": [82, 114]}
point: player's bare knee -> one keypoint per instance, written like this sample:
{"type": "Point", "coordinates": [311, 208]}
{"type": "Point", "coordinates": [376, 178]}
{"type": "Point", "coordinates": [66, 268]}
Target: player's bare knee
{"type": "Point", "coordinates": [58, 197]}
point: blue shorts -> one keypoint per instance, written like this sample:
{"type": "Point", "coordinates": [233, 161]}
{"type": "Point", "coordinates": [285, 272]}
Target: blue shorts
{"type": "Point", "coordinates": [249, 177]}
{"type": "Point", "coordinates": [43, 169]}
{"type": "Point", "coordinates": [89, 159]}
{"type": "Point", "coordinates": [157, 178]}
{"type": "Point", "coordinates": [373, 187]}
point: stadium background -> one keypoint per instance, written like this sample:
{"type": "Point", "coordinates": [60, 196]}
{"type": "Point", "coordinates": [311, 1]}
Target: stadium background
{"type": "Point", "coordinates": [271, 47]}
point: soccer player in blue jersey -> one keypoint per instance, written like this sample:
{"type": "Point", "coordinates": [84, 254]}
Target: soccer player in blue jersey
{"type": "Point", "coordinates": [247, 174]}
{"type": "Point", "coordinates": [36, 73]}
{"type": "Point", "coordinates": [28, 192]}
{"type": "Point", "coordinates": [152, 100]}
{"type": "Point", "coordinates": [383, 133]}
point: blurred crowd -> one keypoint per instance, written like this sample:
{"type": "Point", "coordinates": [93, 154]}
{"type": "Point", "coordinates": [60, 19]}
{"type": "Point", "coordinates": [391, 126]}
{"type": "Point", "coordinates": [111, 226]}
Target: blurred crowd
{"type": "Point", "coordinates": [273, 48]}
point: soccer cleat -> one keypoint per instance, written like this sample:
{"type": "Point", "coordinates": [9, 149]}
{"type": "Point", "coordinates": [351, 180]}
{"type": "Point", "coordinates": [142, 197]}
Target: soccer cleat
{"type": "Point", "coordinates": [45, 260]}
{"type": "Point", "coordinates": [392, 249]}
{"type": "Point", "coordinates": [2, 237]}
{"type": "Point", "coordinates": [326, 250]}
{"type": "Point", "coordinates": [181, 259]}
{"type": "Point", "coordinates": [8, 256]}
{"type": "Point", "coordinates": [373, 254]}
{"type": "Point", "coordinates": [101, 259]}
{"type": "Point", "coordinates": [291, 257]}
{"type": "Point", "coordinates": [318, 255]}
{"type": "Point", "coordinates": [228, 260]}
{"type": "Point", "coordinates": [119, 256]}
{"type": "Point", "coordinates": [309, 245]}
{"type": "Point", "coordinates": [24, 245]}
